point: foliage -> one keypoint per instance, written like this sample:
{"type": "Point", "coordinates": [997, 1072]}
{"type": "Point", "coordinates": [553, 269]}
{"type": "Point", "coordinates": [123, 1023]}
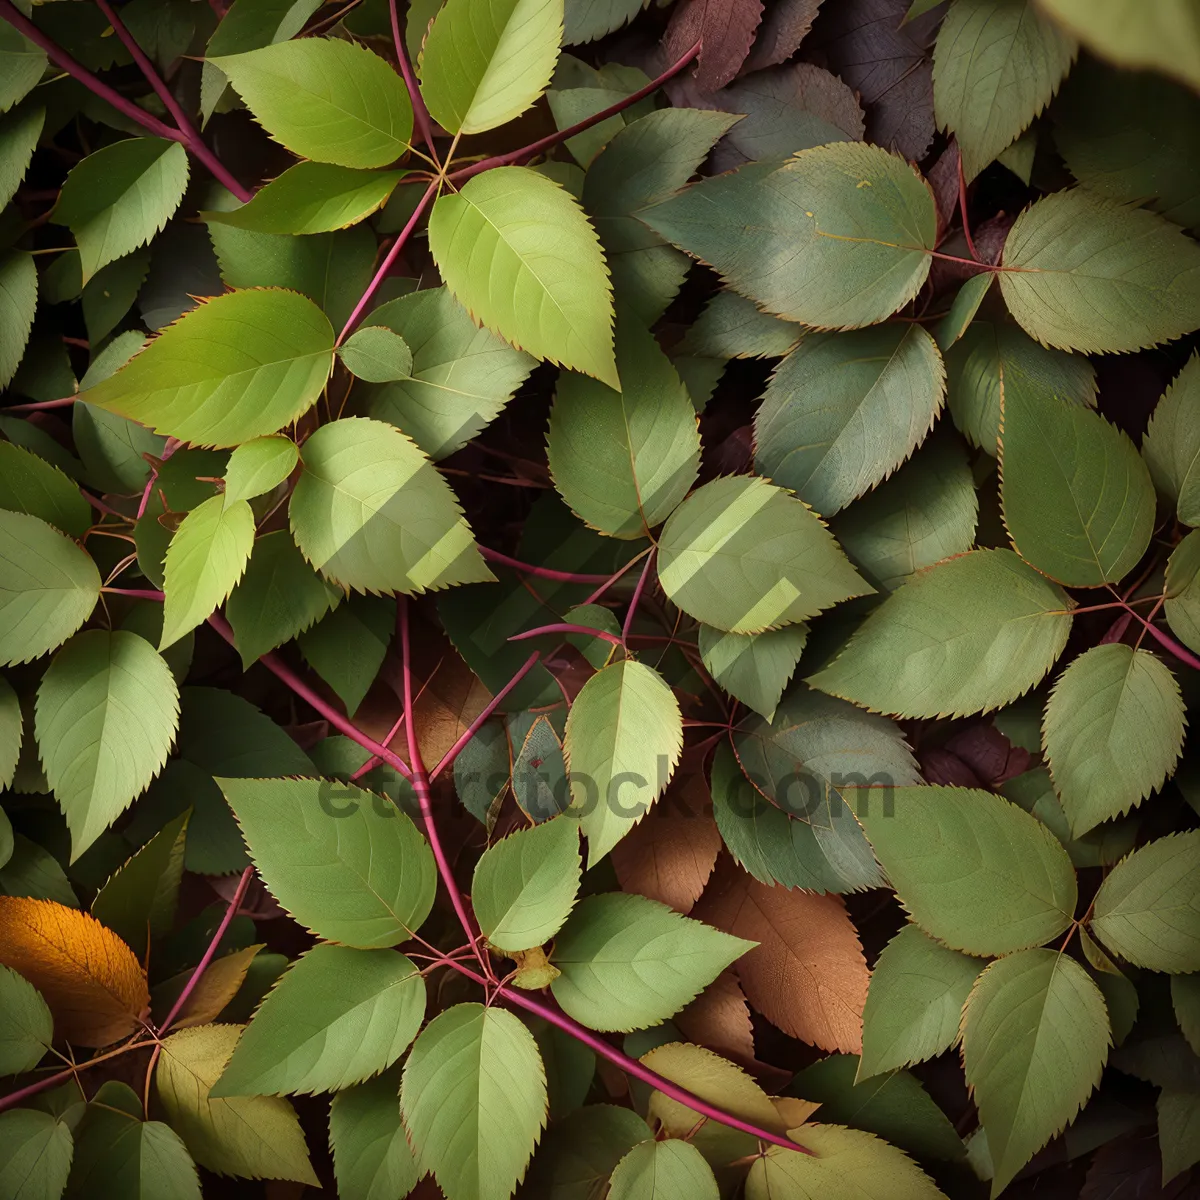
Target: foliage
{"type": "Point", "coordinates": [786, 790]}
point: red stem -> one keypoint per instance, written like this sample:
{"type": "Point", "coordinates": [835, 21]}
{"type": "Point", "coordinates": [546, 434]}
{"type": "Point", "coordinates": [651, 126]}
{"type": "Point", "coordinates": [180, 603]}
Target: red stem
{"type": "Point", "coordinates": [136, 593]}
{"type": "Point", "coordinates": [534, 148]}
{"type": "Point", "coordinates": [169, 448]}
{"type": "Point", "coordinates": [541, 572]}
{"type": "Point", "coordinates": [373, 762]}
{"type": "Point", "coordinates": [637, 596]}
{"type": "Point", "coordinates": [389, 258]}
{"type": "Point", "coordinates": [40, 405]}
{"type": "Point", "coordinates": [70, 1072]}
{"type": "Point", "coordinates": [613, 578]}
{"type": "Point", "coordinates": [566, 627]}
{"type": "Point", "coordinates": [1166, 641]}
{"type": "Point", "coordinates": [420, 112]}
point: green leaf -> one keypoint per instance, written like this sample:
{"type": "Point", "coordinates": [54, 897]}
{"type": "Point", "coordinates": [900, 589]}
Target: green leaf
{"type": "Point", "coordinates": [336, 1017]}
{"type": "Point", "coordinates": [967, 635]}
{"type": "Point", "coordinates": [996, 65]}
{"type": "Point", "coordinates": [927, 511]}
{"type": "Point", "coordinates": [994, 360]}
{"type": "Point", "coordinates": [627, 962]}
{"type": "Point", "coordinates": [278, 598]}
{"type": "Point", "coordinates": [1165, 37]}
{"type": "Point", "coordinates": [624, 728]}
{"type": "Point", "coordinates": [461, 375]}
{"type": "Point", "coordinates": [1146, 910]}
{"type": "Point", "coordinates": [49, 589]}
{"type": "Point", "coordinates": [205, 560]}
{"type": "Point", "coordinates": [733, 327]}
{"type": "Point", "coordinates": [140, 898]}
{"type": "Point", "coordinates": [35, 872]}
{"type": "Point", "coordinates": [1178, 1121]}
{"type": "Point", "coordinates": [26, 1026]}
{"type": "Point", "coordinates": [347, 647]}
{"type": "Point", "coordinates": [22, 65]}
{"type": "Point", "coordinates": [1083, 273]}
{"type": "Point", "coordinates": [1120, 995]}
{"type": "Point", "coordinates": [372, 513]}
{"type": "Point", "coordinates": [1035, 1039]}
{"type": "Point", "coordinates": [377, 355]}
{"type": "Point", "coordinates": [518, 253]}
{"type": "Point", "coordinates": [118, 198]}
{"type": "Point", "coordinates": [312, 197]}
{"type": "Point", "coordinates": [35, 1155]}
{"type": "Point", "coordinates": [348, 865]}
{"type": "Point", "coordinates": [31, 485]}
{"type": "Point", "coordinates": [238, 366]}
{"type": "Point", "coordinates": [844, 410]}
{"type": "Point", "coordinates": [110, 293]}
{"type": "Point", "coordinates": [1113, 732]}
{"type": "Point", "coordinates": [1185, 998]}
{"type": "Point", "coordinates": [259, 466]}
{"type": "Point", "coordinates": [255, 1137]}
{"type": "Point", "coordinates": [1172, 443]}
{"type": "Point", "coordinates": [325, 99]}
{"type": "Point", "coordinates": [753, 667]}
{"type": "Point", "coordinates": [119, 1154]}
{"type": "Point", "coordinates": [107, 713]}
{"type": "Point", "coordinates": [19, 134]}
{"type": "Point", "coordinates": [816, 269]}
{"type": "Point", "coordinates": [744, 556]}
{"type": "Point", "coordinates": [525, 885]}
{"type": "Point", "coordinates": [973, 869]}
{"type": "Point", "coordinates": [918, 989]}
{"type": "Point", "coordinates": [587, 20]}
{"type": "Point", "coordinates": [11, 732]}
{"type": "Point", "coordinates": [670, 1170]}
{"type": "Point", "coordinates": [18, 300]}
{"type": "Point", "coordinates": [844, 1164]}
{"type": "Point", "coordinates": [474, 1101]}
{"type": "Point", "coordinates": [624, 460]}
{"type": "Point", "coordinates": [485, 63]}
{"type": "Point", "coordinates": [1077, 499]}
{"type": "Point", "coordinates": [372, 1159]}
{"type": "Point", "coordinates": [962, 312]}
{"type": "Point", "coordinates": [1182, 588]}
{"type": "Point", "coordinates": [581, 1150]}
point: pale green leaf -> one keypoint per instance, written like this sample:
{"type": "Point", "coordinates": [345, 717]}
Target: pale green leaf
{"type": "Point", "coordinates": [347, 647]}
{"type": "Point", "coordinates": [35, 1155]}
{"type": "Point", "coordinates": [107, 714]}
{"type": "Point", "coordinates": [525, 885]}
{"type": "Point", "coordinates": [238, 366]}
{"type": "Point", "coordinates": [1113, 732]}
{"type": "Point", "coordinates": [325, 99]}
{"type": "Point", "coordinates": [587, 20]}
{"type": "Point", "coordinates": [372, 1159]}
{"type": "Point", "coordinates": [256, 1137]}
{"type": "Point", "coordinates": [461, 375]}
{"type": "Point", "coordinates": [962, 312]}
{"type": "Point", "coordinates": [1120, 995]}
{"type": "Point", "coordinates": [31, 485]}
{"type": "Point", "coordinates": [113, 449]}
{"type": "Point", "coordinates": [206, 558]}
{"type": "Point", "coordinates": [21, 65]}
{"type": "Point", "coordinates": [259, 466]}
{"type": "Point", "coordinates": [19, 133]}
{"type": "Point", "coordinates": [733, 327]}
{"type": "Point", "coordinates": [486, 61]}
{"type": "Point", "coordinates": [744, 556]}
{"type": "Point", "coordinates": [11, 735]}
{"type": "Point", "coordinates": [791, 238]}
{"type": "Point", "coordinates": [26, 1026]}
{"type": "Point", "coordinates": [312, 197]}
{"type": "Point", "coordinates": [1182, 588]}
{"type": "Point", "coordinates": [371, 512]}
{"type": "Point", "coordinates": [1077, 499]}
{"type": "Point", "coordinates": [844, 410]}
{"type": "Point", "coordinates": [753, 667]}
{"type": "Point", "coordinates": [1082, 273]}
{"type": "Point", "coordinates": [1172, 443]}
{"type": "Point", "coordinates": [627, 962]}
{"type": "Point", "coordinates": [335, 1018]}
{"type": "Point", "coordinates": [348, 865]}
{"type": "Point", "coordinates": [278, 598]}
{"type": "Point", "coordinates": [918, 989]}
{"type": "Point", "coordinates": [996, 65]}
{"type": "Point", "coordinates": [474, 1101]}
{"type": "Point", "coordinates": [118, 198]}
{"type": "Point", "coordinates": [973, 869]}
{"type": "Point", "coordinates": [670, 1170]}
{"type": "Point", "coordinates": [967, 635]}
{"type": "Point", "coordinates": [844, 1164]}
{"type": "Point", "coordinates": [518, 253]}
{"type": "Point", "coordinates": [1035, 1039]}
{"type": "Point", "coordinates": [623, 740]}
{"type": "Point", "coordinates": [18, 300]}
{"type": "Point", "coordinates": [376, 354]}
{"type": "Point", "coordinates": [1148, 909]}
{"type": "Point", "coordinates": [624, 460]}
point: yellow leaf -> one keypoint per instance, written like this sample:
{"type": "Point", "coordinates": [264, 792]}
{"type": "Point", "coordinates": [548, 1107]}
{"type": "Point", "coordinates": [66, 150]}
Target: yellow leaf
{"type": "Point", "coordinates": [218, 985]}
{"type": "Point", "coordinates": [90, 979]}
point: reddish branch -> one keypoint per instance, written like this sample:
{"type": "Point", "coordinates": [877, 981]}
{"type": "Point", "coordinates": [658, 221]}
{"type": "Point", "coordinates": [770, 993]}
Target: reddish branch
{"type": "Point", "coordinates": [420, 112]}
{"type": "Point", "coordinates": [566, 627]}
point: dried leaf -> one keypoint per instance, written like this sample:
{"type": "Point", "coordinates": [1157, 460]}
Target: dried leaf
{"type": "Point", "coordinates": [784, 26]}
{"type": "Point", "coordinates": [724, 27]}
{"type": "Point", "coordinates": [807, 975]}
{"type": "Point", "coordinates": [90, 979]}
{"type": "Point", "coordinates": [719, 1018]}
{"type": "Point", "coordinates": [217, 987]}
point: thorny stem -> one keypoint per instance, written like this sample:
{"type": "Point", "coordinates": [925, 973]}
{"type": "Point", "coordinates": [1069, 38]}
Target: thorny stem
{"type": "Point", "coordinates": [566, 627]}
{"type": "Point", "coordinates": [553, 139]}
{"type": "Point", "coordinates": [420, 111]}
{"type": "Point", "coordinates": [637, 597]}
{"type": "Point", "coordinates": [185, 135]}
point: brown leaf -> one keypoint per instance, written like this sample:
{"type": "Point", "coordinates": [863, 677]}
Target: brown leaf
{"type": "Point", "coordinates": [942, 767]}
{"type": "Point", "coordinates": [218, 985]}
{"type": "Point", "coordinates": [989, 753]}
{"type": "Point", "coordinates": [726, 29]}
{"type": "Point", "coordinates": [670, 854]}
{"type": "Point", "coordinates": [783, 28]}
{"type": "Point", "coordinates": [808, 975]}
{"type": "Point", "coordinates": [91, 980]}
{"type": "Point", "coordinates": [719, 1018]}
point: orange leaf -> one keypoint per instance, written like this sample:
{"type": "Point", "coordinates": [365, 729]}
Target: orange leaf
{"type": "Point", "coordinates": [808, 975]}
{"type": "Point", "coordinates": [671, 853]}
{"type": "Point", "coordinates": [91, 980]}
